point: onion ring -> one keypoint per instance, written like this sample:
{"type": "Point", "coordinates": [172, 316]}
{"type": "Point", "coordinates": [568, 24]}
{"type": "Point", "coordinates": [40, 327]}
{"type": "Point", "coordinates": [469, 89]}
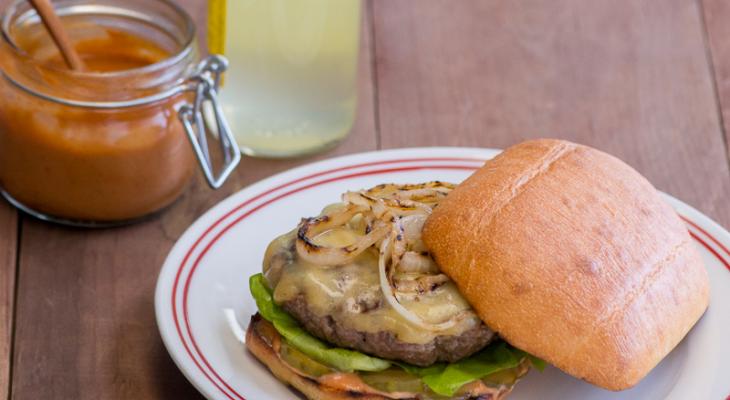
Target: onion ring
{"type": "Point", "coordinates": [392, 187]}
{"type": "Point", "coordinates": [333, 256]}
{"type": "Point", "coordinates": [380, 206]}
{"type": "Point", "coordinates": [385, 286]}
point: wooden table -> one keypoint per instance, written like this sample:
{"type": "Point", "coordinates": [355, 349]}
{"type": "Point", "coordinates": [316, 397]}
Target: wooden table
{"type": "Point", "coordinates": [646, 81]}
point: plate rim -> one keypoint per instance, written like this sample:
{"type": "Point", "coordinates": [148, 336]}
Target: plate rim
{"type": "Point", "coordinates": [165, 305]}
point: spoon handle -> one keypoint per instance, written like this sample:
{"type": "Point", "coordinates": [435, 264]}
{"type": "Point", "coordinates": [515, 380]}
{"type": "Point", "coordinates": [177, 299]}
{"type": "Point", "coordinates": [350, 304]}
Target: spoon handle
{"type": "Point", "coordinates": [58, 33]}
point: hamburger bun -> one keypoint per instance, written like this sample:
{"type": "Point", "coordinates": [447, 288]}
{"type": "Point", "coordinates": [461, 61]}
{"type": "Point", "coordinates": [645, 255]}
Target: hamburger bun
{"type": "Point", "coordinates": [571, 255]}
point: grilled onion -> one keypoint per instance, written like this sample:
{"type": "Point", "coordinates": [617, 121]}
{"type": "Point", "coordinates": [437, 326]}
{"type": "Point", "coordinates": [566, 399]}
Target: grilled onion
{"type": "Point", "coordinates": [389, 217]}
{"type": "Point", "coordinates": [412, 261]}
{"type": "Point", "coordinates": [385, 285]}
{"type": "Point", "coordinates": [332, 256]}
{"type": "Point", "coordinates": [381, 206]}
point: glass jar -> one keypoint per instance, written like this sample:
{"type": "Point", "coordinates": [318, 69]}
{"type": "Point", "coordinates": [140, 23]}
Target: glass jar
{"type": "Point", "coordinates": [109, 144]}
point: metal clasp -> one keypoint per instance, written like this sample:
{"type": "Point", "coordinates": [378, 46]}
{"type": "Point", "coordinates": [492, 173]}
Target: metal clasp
{"type": "Point", "coordinates": [196, 119]}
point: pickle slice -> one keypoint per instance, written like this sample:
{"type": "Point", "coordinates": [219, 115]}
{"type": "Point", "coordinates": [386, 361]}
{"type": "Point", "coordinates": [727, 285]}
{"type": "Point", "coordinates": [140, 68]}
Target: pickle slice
{"type": "Point", "coordinates": [302, 362]}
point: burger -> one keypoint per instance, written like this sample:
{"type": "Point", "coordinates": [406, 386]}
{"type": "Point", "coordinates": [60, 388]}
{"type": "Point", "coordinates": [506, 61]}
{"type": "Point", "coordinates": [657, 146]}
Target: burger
{"type": "Point", "coordinates": [551, 251]}
{"type": "Point", "coordinates": [352, 305]}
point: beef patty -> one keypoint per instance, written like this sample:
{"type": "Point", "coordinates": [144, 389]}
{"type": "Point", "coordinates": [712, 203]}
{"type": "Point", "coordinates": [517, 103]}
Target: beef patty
{"type": "Point", "coordinates": [384, 344]}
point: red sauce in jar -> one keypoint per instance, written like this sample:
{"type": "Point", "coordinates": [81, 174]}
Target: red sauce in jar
{"type": "Point", "coordinates": [91, 164]}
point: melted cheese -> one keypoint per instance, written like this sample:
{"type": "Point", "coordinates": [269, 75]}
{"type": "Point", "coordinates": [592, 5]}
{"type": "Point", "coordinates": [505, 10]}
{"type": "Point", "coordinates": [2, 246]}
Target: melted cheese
{"type": "Point", "coordinates": [351, 293]}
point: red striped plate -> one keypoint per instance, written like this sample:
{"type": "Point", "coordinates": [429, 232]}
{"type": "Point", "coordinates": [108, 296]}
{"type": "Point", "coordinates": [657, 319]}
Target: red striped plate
{"type": "Point", "coordinates": [207, 271]}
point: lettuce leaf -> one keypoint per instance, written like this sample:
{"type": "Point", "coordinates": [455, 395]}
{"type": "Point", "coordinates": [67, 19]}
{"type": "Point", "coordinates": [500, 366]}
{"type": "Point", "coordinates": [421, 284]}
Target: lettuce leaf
{"type": "Point", "coordinates": [341, 359]}
{"type": "Point", "coordinates": [420, 372]}
{"type": "Point", "coordinates": [496, 357]}
{"type": "Point", "coordinates": [538, 363]}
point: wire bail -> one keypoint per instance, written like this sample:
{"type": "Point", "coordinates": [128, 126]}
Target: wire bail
{"type": "Point", "coordinates": [205, 109]}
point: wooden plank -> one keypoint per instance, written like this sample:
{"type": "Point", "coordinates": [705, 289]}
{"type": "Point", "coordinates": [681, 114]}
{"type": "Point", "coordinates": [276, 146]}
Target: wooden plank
{"type": "Point", "coordinates": [716, 13]}
{"type": "Point", "coordinates": [628, 77]}
{"type": "Point", "coordinates": [86, 327]}
{"type": "Point", "coordinates": [8, 246]}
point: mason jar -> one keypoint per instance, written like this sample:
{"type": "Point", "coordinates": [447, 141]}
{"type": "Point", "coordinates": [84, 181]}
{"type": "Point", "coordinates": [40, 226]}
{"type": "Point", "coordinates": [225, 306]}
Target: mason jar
{"type": "Point", "coordinates": [118, 140]}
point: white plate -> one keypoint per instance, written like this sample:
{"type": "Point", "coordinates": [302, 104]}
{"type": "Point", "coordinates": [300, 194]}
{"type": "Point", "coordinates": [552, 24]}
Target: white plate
{"type": "Point", "coordinates": [207, 271]}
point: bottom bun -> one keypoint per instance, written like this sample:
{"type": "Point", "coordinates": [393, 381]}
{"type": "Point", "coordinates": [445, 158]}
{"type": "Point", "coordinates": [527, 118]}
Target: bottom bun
{"type": "Point", "coordinates": [264, 342]}
{"type": "Point", "coordinates": [310, 387]}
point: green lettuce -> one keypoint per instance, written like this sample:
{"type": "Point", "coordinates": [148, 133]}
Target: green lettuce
{"type": "Point", "coordinates": [341, 359]}
{"type": "Point", "coordinates": [538, 363]}
{"type": "Point", "coordinates": [420, 372]}
{"type": "Point", "coordinates": [444, 379]}
{"type": "Point", "coordinates": [496, 357]}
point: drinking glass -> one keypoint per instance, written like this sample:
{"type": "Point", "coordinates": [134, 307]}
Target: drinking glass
{"type": "Point", "coordinates": [291, 84]}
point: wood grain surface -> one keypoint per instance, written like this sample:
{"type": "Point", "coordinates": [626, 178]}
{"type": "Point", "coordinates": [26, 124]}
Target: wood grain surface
{"type": "Point", "coordinates": [716, 15]}
{"type": "Point", "coordinates": [629, 77]}
{"type": "Point", "coordinates": [8, 245]}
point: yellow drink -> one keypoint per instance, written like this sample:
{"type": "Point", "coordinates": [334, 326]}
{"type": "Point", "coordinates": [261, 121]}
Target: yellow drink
{"type": "Point", "coordinates": [291, 84]}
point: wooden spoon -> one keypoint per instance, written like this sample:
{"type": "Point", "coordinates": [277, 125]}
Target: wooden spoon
{"type": "Point", "coordinates": [58, 33]}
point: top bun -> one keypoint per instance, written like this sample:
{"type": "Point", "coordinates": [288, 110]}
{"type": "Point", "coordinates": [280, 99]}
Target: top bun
{"type": "Point", "coordinates": [571, 255]}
